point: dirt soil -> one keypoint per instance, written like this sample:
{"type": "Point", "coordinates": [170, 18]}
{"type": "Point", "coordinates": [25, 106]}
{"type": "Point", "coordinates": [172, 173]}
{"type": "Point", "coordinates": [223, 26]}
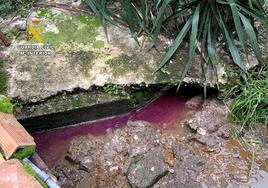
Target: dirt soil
{"type": "Point", "coordinates": [198, 152]}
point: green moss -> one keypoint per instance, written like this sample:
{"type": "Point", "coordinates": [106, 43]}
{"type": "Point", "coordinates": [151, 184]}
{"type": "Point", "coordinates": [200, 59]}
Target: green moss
{"type": "Point", "coordinates": [33, 174]}
{"type": "Point", "coordinates": [139, 97]}
{"type": "Point", "coordinates": [98, 44]}
{"type": "Point", "coordinates": [171, 72]}
{"type": "Point", "coordinates": [25, 152]}
{"type": "Point", "coordinates": [10, 34]}
{"type": "Point", "coordinates": [82, 60]}
{"type": "Point", "coordinates": [64, 102]}
{"type": "Point", "coordinates": [113, 89]}
{"type": "Point", "coordinates": [80, 29]}
{"type": "Point", "coordinates": [3, 78]}
{"type": "Point", "coordinates": [5, 105]}
{"type": "Point", "coordinates": [44, 13]}
{"type": "Point", "coordinates": [77, 104]}
{"type": "Point", "coordinates": [128, 63]}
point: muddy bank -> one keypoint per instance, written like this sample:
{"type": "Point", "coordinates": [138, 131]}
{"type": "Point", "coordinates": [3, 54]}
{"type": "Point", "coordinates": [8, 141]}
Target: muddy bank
{"type": "Point", "coordinates": [193, 151]}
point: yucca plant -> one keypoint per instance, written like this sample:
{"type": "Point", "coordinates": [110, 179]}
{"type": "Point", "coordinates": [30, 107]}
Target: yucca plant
{"type": "Point", "coordinates": [207, 22]}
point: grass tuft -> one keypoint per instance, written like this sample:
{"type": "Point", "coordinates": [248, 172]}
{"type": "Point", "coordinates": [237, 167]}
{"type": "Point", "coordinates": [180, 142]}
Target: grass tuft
{"type": "Point", "coordinates": [251, 105]}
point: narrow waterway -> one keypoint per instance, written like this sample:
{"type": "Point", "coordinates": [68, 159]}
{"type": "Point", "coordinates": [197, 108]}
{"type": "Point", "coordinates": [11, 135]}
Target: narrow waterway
{"type": "Point", "coordinates": [164, 112]}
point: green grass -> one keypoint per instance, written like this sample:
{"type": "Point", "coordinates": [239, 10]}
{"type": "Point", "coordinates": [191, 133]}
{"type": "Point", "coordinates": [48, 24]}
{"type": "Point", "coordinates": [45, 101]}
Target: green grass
{"type": "Point", "coordinates": [250, 106]}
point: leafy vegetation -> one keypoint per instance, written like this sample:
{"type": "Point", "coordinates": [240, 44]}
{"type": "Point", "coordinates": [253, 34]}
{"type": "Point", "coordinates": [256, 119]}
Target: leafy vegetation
{"type": "Point", "coordinates": [9, 6]}
{"type": "Point", "coordinates": [113, 89]}
{"type": "Point", "coordinates": [212, 26]}
{"type": "Point", "coordinates": [209, 23]}
{"type": "Point", "coordinates": [251, 105]}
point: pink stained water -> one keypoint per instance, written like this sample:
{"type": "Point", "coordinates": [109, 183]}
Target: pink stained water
{"type": "Point", "coordinates": [164, 112]}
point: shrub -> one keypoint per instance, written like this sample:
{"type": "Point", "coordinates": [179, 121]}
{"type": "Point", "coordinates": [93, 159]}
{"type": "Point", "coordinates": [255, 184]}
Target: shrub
{"type": "Point", "coordinates": [9, 6]}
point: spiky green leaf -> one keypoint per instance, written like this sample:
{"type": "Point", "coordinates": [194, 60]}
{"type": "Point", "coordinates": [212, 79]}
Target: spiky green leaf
{"type": "Point", "coordinates": [252, 36]}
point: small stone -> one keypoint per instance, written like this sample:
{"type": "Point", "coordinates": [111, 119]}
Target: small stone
{"type": "Point", "coordinates": [109, 131]}
{"type": "Point", "coordinates": [171, 170]}
{"type": "Point", "coordinates": [87, 163]}
{"type": "Point", "coordinates": [201, 131]}
{"type": "Point", "coordinates": [145, 170]}
{"type": "Point", "coordinates": [130, 140]}
{"type": "Point", "coordinates": [136, 137]}
{"type": "Point", "coordinates": [169, 158]}
{"type": "Point", "coordinates": [241, 178]}
{"type": "Point", "coordinates": [114, 168]}
{"type": "Point", "coordinates": [194, 103]}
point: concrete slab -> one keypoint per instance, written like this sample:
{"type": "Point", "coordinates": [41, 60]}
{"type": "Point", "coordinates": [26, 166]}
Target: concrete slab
{"type": "Point", "coordinates": [77, 55]}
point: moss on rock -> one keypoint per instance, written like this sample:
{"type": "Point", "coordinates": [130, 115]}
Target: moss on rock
{"type": "Point", "coordinates": [25, 152]}
{"type": "Point", "coordinates": [5, 105]}
{"type": "Point", "coordinates": [80, 29]}
{"type": "Point", "coordinates": [124, 64]}
{"type": "Point", "coordinates": [82, 60]}
{"type": "Point", "coordinates": [65, 102]}
{"type": "Point", "coordinates": [3, 78]}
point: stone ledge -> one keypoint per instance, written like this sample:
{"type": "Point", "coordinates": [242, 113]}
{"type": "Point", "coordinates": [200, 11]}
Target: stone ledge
{"type": "Point", "coordinates": [13, 175]}
{"type": "Point", "coordinates": [13, 136]}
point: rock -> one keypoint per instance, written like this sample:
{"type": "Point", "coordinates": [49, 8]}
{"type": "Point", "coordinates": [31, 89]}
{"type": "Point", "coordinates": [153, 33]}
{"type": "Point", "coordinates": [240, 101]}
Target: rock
{"type": "Point", "coordinates": [139, 155]}
{"type": "Point", "coordinates": [194, 102]}
{"type": "Point", "coordinates": [169, 158]}
{"type": "Point", "coordinates": [210, 125]}
{"type": "Point", "coordinates": [145, 170]}
{"type": "Point", "coordinates": [67, 175]}
{"type": "Point", "coordinates": [86, 163]}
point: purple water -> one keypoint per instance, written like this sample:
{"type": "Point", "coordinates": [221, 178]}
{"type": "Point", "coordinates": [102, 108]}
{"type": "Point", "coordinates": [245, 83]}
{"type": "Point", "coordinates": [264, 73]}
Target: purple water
{"type": "Point", "coordinates": [165, 112]}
